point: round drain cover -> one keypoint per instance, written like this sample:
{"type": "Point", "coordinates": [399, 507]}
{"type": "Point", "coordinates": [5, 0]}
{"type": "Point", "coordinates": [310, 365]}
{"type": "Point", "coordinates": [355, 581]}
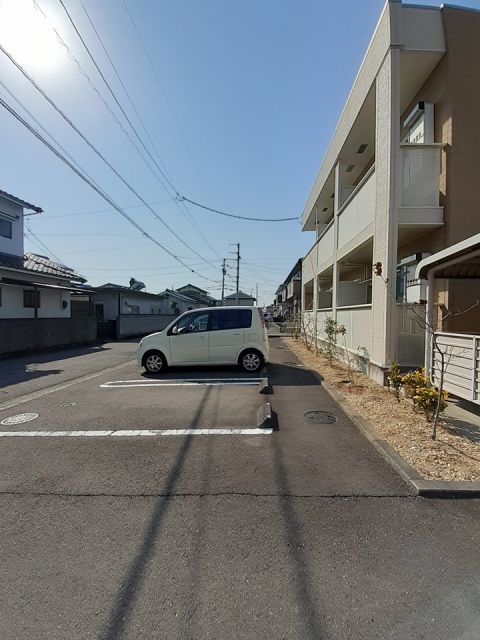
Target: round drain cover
{"type": "Point", "coordinates": [320, 417]}
{"type": "Point", "coordinates": [18, 419]}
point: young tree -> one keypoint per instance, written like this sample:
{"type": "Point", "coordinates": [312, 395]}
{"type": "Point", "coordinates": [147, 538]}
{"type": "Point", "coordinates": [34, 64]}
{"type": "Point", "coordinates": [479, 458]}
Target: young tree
{"type": "Point", "coordinates": [430, 326]}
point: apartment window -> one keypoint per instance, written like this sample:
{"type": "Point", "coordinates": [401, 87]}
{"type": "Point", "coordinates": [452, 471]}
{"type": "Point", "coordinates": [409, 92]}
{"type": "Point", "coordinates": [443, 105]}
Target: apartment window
{"type": "Point", "coordinates": [134, 308]}
{"type": "Point", "coordinates": [231, 319]}
{"type": "Point", "coordinates": [30, 300]}
{"type": "Point", "coordinates": [5, 229]}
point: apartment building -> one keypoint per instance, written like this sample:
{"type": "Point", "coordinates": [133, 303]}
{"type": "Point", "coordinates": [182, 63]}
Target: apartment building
{"type": "Point", "coordinates": [397, 183]}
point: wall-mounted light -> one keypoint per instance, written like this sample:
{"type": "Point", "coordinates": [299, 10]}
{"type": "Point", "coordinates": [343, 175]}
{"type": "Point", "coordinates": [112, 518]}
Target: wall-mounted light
{"type": "Point", "coordinates": [362, 148]}
{"type": "Point", "coordinates": [349, 168]}
{"type": "Point", "coordinates": [325, 209]}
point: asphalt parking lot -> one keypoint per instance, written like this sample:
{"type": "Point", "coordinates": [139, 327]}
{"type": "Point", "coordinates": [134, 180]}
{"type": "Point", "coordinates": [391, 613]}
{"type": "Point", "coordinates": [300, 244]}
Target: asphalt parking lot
{"type": "Point", "coordinates": [223, 530]}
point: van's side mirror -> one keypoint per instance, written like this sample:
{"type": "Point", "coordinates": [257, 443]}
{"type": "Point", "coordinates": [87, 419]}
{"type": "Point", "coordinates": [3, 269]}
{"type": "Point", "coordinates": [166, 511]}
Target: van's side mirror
{"type": "Point", "coordinates": [175, 330]}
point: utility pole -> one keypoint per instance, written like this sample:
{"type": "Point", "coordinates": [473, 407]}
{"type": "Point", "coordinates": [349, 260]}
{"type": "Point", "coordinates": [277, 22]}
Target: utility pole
{"type": "Point", "coordinates": [238, 273]}
{"type": "Point", "coordinates": [224, 271]}
{"type": "Point", "coordinates": [256, 295]}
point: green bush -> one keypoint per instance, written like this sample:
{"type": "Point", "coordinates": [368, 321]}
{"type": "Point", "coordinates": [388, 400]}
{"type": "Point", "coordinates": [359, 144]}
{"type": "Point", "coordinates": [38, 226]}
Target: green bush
{"type": "Point", "coordinates": [427, 398]}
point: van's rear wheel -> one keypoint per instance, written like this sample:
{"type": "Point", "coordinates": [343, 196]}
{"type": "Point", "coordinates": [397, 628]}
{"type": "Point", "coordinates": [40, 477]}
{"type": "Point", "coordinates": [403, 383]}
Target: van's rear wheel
{"type": "Point", "coordinates": [154, 362]}
{"type": "Point", "coordinates": [251, 361]}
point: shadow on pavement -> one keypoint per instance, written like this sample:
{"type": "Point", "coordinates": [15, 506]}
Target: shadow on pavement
{"type": "Point", "coordinates": [132, 582]}
{"type": "Point", "coordinates": [463, 428]}
{"type": "Point", "coordinates": [289, 375]}
{"type": "Point", "coordinates": [307, 607]}
{"type": "Point", "coordinates": [16, 370]}
{"type": "Point", "coordinates": [180, 373]}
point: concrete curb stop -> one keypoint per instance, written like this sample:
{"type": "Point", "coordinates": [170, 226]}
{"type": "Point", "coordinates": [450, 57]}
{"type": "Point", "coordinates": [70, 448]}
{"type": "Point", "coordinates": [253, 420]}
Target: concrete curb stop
{"type": "Point", "coordinates": [265, 416]}
{"type": "Point", "coordinates": [264, 386]}
{"type": "Point", "coordinates": [421, 486]}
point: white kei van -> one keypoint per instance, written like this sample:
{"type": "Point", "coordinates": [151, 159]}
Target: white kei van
{"type": "Point", "coordinates": [219, 335]}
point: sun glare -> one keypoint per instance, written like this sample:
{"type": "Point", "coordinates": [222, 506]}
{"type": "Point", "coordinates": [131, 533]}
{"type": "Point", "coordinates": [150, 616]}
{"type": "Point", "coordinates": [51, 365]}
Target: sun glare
{"type": "Point", "coordinates": [27, 36]}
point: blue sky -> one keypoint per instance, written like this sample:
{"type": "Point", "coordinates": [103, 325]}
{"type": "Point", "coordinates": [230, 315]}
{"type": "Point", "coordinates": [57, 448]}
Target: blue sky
{"type": "Point", "coordinates": [254, 91]}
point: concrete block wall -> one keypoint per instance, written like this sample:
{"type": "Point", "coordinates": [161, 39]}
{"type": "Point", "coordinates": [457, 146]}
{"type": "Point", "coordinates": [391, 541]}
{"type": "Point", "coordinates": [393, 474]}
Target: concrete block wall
{"type": "Point", "coordinates": [141, 325]}
{"type": "Point", "coordinates": [27, 334]}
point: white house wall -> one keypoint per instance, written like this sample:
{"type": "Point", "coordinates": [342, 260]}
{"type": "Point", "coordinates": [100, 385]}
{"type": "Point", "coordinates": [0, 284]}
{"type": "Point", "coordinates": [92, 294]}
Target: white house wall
{"type": "Point", "coordinates": [13, 246]}
{"type": "Point", "coordinates": [50, 303]}
{"type": "Point", "coordinates": [109, 299]}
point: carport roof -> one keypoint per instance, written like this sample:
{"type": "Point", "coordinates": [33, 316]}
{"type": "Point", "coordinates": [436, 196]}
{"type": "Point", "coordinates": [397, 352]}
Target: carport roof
{"type": "Point", "coordinates": [461, 260]}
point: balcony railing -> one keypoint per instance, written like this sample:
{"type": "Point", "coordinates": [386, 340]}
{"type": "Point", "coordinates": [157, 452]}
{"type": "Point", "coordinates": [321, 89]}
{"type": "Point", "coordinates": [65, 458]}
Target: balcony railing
{"type": "Point", "coordinates": [358, 211]}
{"type": "Point", "coordinates": [320, 254]}
{"type": "Point", "coordinates": [420, 175]}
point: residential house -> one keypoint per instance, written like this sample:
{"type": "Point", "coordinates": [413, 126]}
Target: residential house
{"type": "Point", "coordinates": [36, 294]}
{"type": "Point", "coordinates": [397, 183]}
{"type": "Point", "coordinates": [200, 295]}
{"type": "Point", "coordinates": [177, 303]}
{"type": "Point", "coordinates": [241, 299]}
{"type": "Point", "coordinates": [288, 297]}
{"type": "Point", "coordinates": [279, 302]}
{"type": "Point", "coordinates": [123, 311]}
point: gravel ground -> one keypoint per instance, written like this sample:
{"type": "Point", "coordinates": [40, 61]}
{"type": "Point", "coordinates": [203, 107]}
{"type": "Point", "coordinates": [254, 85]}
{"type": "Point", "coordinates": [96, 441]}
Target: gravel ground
{"type": "Point", "coordinates": [449, 457]}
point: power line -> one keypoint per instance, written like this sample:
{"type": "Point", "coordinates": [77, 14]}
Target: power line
{"type": "Point", "coordinates": [231, 215]}
{"type": "Point", "coordinates": [164, 93]}
{"type": "Point", "coordinates": [39, 124]}
{"type": "Point", "coordinates": [97, 189]}
{"type": "Point", "coordinates": [50, 253]}
{"type": "Point", "coordinates": [82, 71]}
{"type": "Point", "coordinates": [96, 151]}
{"type": "Point", "coordinates": [184, 210]}
{"type": "Point", "coordinates": [127, 93]}
{"type": "Point", "coordinates": [47, 216]}
{"type": "Point", "coordinates": [92, 58]}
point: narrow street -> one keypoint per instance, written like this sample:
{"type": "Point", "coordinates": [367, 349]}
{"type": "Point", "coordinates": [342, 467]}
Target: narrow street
{"type": "Point", "coordinates": [303, 532]}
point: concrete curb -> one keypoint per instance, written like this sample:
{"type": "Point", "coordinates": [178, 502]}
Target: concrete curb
{"type": "Point", "coordinates": [264, 416]}
{"type": "Point", "coordinates": [421, 486]}
{"type": "Point", "coordinates": [264, 387]}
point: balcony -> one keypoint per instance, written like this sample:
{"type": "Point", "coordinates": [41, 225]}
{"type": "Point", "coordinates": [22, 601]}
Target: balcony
{"type": "Point", "coordinates": [420, 188]}
{"type": "Point", "coordinates": [320, 255]}
{"type": "Point", "coordinates": [356, 216]}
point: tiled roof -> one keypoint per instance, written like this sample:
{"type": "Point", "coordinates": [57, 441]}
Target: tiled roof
{"type": "Point", "coordinates": [241, 294]}
{"type": "Point", "coordinates": [32, 262]}
{"type": "Point", "coordinates": [191, 286]}
{"type": "Point", "coordinates": [120, 287]}
{"type": "Point", "coordinates": [176, 294]}
{"type": "Point", "coordinates": [23, 203]}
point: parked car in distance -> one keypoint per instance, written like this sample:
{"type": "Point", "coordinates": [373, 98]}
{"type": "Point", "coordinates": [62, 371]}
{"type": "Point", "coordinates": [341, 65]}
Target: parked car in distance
{"type": "Point", "coordinates": [219, 336]}
{"type": "Point", "coordinates": [267, 316]}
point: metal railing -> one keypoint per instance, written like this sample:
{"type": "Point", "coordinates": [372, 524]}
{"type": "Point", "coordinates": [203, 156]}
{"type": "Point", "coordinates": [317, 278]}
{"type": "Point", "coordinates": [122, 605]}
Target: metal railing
{"type": "Point", "coordinates": [461, 367]}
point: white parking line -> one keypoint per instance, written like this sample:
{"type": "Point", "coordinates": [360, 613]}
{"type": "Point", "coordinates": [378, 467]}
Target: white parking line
{"type": "Point", "coordinates": [188, 382]}
{"type": "Point", "coordinates": [221, 431]}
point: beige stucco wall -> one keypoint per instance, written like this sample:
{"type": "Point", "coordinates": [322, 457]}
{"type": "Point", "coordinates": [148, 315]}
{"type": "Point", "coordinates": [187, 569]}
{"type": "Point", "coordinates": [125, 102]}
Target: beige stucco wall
{"type": "Point", "coordinates": [454, 88]}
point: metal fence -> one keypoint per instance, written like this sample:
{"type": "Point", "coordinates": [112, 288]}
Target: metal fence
{"type": "Point", "coordinates": [461, 364]}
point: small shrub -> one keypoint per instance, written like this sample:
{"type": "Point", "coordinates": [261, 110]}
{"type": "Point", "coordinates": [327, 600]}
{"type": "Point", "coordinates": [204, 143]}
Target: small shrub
{"type": "Point", "coordinates": [427, 397]}
{"type": "Point", "coordinates": [414, 380]}
{"type": "Point", "coordinates": [395, 380]}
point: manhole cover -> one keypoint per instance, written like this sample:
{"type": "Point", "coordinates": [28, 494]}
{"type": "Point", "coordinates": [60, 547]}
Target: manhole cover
{"type": "Point", "coordinates": [320, 417]}
{"type": "Point", "coordinates": [18, 419]}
